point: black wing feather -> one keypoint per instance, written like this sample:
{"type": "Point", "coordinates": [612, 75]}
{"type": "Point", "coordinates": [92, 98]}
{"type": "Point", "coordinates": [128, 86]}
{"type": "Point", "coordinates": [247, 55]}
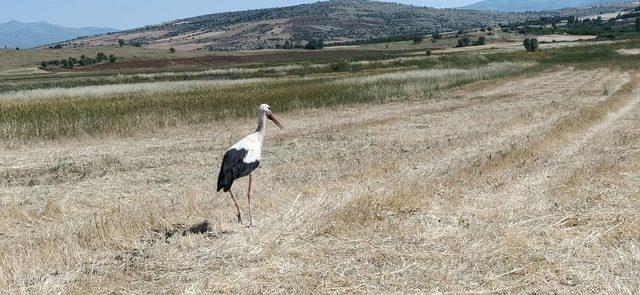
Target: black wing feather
{"type": "Point", "coordinates": [233, 168]}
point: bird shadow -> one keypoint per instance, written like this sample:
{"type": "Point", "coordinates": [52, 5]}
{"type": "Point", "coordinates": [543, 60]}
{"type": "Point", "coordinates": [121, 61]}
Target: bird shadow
{"type": "Point", "coordinates": [202, 228]}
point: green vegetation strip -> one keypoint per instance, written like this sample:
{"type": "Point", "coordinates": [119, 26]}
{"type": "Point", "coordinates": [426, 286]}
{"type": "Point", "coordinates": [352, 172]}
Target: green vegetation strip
{"type": "Point", "coordinates": [354, 82]}
{"type": "Point", "coordinates": [53, 118]}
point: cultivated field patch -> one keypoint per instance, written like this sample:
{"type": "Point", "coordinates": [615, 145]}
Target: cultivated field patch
{"type": "Point", "coordinates": [457, 187]}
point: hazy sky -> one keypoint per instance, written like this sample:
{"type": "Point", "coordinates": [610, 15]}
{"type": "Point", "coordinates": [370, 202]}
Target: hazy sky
{"type": "Point", "coordinates": [123, 14]}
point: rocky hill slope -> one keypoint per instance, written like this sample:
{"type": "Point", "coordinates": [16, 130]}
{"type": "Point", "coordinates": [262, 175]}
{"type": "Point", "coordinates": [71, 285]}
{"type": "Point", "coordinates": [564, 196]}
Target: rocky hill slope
{"type": "Point", "coordinates": [534, 5]}
{"type": "Point", "coordinates": [332, 21]}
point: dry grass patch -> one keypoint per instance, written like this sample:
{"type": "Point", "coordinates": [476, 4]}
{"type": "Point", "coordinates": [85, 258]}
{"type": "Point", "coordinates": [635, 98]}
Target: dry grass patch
{"type": "Point", "coordinates": [378, 198]}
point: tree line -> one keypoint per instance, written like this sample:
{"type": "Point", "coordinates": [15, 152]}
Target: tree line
{"type": "Point", "coordinates": [83, 61]}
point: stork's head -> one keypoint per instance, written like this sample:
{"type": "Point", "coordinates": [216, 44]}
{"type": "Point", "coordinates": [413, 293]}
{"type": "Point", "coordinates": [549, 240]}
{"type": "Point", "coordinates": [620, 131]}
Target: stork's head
{"type": "Point", "coordinates": [266, 109]}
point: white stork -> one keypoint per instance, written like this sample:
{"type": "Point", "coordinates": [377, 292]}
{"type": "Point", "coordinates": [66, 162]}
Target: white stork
{"type": "Point", "coordinates": [244, 157]}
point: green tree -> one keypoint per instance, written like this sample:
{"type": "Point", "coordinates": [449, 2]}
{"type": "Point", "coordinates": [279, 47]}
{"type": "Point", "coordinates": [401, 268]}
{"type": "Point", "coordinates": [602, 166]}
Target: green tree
{"type": "Point", "coordinates": [112, 58]}
{"type": "Point", "coordinates": [531, 44]}
{"type": "Point", "coordinates": [72, 62]}
{"type": "Point", "coordinates": [121, 42]}
{"type": "Point", "coordinates": [100, 57]}
{"type": "Point", "coordinates": [315, 44]}
{"type": "Point", "coordinates": [43, 64]}
{"type": "Point", "coordinates": [638, 24]}
{"type": "Point", "coordinates": [436, 36]}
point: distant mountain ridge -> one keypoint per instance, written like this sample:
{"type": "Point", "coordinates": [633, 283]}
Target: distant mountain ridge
{"type": "Point", "coordinates": [533, 5]}
{"type": "Point", "coordinates": [26, 35]}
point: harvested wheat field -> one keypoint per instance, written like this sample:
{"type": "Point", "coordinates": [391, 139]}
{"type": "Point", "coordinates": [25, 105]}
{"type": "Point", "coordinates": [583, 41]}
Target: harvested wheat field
{"type": "Point", "coordinates": [524, 184]}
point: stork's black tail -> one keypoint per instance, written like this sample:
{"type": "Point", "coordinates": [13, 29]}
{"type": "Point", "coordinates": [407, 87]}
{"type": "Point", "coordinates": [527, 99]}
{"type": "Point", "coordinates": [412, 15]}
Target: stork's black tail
{"type": "Point", "coordinates": [225, 179]}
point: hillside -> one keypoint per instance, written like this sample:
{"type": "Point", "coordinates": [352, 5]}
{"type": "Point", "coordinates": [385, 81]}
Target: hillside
{"type": "Point", "coordinates": [332, 21]}
{"type": "Point", "coordinates": [533, 5]}
{"type": "Point", "coordinates": [24, 35]}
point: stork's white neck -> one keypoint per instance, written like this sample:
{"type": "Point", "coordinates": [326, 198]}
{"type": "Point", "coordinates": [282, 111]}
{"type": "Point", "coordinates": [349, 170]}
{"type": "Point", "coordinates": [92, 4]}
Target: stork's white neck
{"type": "Point", "coordinates": [262, 123]}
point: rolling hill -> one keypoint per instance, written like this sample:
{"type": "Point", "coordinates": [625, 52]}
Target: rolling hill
{"type": "Point", "coordinates": [14, 33]}
{"type": "Point", "coordinates": [533, 5]}
{"type": "Point", "coordinates": [332, 21]}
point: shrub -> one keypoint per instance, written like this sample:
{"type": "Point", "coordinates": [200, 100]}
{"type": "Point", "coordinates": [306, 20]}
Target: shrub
{"type": "Point", "coordinates": [429, 52]}
{"type": "Point", "coordinates": [287, 45]}
{"type": "Point", "coordinates": [356, 67]}
{"type": "Point", "coordinates": [136, 43]}
{"type": "Point", "coordinates": [464, 41]}
{"type": "Point", "coordinates": [100, 57]}
{"type": "Point", "coordinates": [531, 44]}
{"type": "Point", "coordinates": [437, 36]}
{"type": "Point", "coordinates": [43, 64]}
{"type": "Point", "coordinates": [481, 41]}
{"type": "Point", "coordinates": [86, 61]}
{"type": "Point", "coordinates": [71, 63]}
{"type": "Point", "coordinates": [341, 66]}
{"type": "Point", "coordinates": [417, 39]}
{"type": "Point", "coordinates": [638, 24]}
{"type": "Point", "coordinates": [172, 50]}
{"type": "Point", "coordinates": [112, 58]}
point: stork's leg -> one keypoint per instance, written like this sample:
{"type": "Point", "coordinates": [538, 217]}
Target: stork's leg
{"type": "Point", "coordinates": [237, 208]}
{"type": "Point", "coordinates": [249, 201]}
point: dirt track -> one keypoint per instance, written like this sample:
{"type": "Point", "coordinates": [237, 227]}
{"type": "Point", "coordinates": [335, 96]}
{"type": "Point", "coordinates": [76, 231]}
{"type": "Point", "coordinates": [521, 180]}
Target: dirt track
{"type": "Point", "coordinates": [526, 185]}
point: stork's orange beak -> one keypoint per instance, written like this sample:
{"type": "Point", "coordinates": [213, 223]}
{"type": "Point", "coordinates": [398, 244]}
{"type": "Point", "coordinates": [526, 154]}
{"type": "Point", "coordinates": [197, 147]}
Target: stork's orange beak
{"type": "Point", "coordinates": [273, 118]}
